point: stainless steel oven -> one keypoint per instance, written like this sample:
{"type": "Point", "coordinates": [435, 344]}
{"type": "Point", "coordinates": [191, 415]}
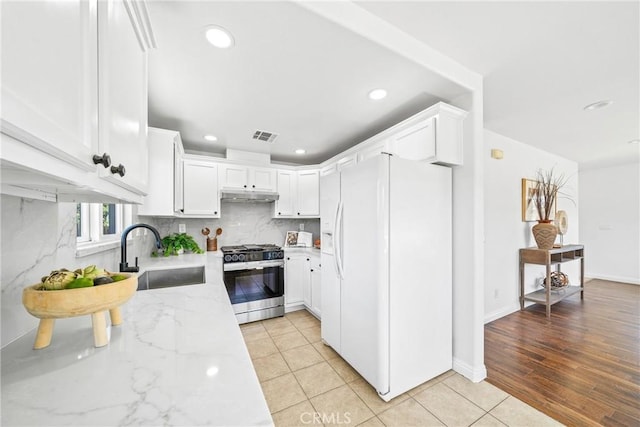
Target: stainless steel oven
{"type": "Point", "coordinates": [254, 278]}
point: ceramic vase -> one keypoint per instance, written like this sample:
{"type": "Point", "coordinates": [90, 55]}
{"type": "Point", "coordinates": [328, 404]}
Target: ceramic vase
{"type": "Point", "coordinates": [545, 234]}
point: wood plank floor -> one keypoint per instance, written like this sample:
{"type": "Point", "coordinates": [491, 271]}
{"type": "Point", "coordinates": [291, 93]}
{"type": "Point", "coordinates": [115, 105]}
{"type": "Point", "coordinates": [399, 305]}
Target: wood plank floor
{"type": "Point", "coordinates": [581, 367]}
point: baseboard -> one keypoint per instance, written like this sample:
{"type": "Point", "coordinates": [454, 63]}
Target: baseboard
{"type": "Point", "coordinates": [512, 308]}
{"type": "Point", "coordinates": [621, 279]}
{"type": "Point", "coordinates": [475, 374]}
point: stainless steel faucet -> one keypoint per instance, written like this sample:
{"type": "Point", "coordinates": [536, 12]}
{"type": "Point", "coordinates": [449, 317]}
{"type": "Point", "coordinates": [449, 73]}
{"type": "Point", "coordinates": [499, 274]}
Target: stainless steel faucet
{"type": "Point", "coordinates": [123, 246]}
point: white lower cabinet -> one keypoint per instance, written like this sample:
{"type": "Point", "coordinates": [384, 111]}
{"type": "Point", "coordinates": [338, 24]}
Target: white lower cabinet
{"type": "Point", "coordinates": [302, 281]}
{"type": "Point", "coordinates": [315, 304]}
{"type": "Point", "coordinates": [297, 278]}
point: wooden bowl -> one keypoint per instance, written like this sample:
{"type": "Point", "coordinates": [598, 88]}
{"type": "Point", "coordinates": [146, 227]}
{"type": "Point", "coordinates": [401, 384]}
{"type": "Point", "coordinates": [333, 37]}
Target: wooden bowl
{"type": "Point", "coordinates": [94, 300]}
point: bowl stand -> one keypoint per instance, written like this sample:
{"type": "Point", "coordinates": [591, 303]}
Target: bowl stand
{"type": "Point", "coordinates": [98, 320]}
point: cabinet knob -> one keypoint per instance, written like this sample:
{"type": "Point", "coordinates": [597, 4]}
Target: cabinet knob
{"type": "Point", "coordinates": [104, 160]}
{"type": "Point", "coordinates": [288, 259]}
{"type": "Point", "coordinates": [120, 170]}
{"type": "Point", "coordinates": [298, 213]}
{"type": "Point", "coordinates": [312, 270]}
{"type": "Point", "coordinates": [215, 212]}
{"type": "Point", "coordinates": [279, 213]}
{"type": "Point", "coordinates": [307, 259]}
{"type": "Point", "coordinates": [245, 186]}
{"type": "Point", "coordinates": [253, 186]}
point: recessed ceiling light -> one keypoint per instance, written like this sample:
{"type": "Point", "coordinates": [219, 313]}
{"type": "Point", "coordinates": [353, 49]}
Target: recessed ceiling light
{"type": "Point", "coordinates": [219, 37]}
{"type": "Point", "coordinates": [598, 105]}
{"type": "Point", "coordinates": [211, 138]}
{"type": "Point", "coordinates": [300, 151]}
{"type": "Point", "coordinates": [377, 94]}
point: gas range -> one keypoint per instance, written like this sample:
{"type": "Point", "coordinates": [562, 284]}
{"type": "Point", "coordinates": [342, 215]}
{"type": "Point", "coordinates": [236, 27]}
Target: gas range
{"type": "Point", "coordinates": [254, 278]}
{"type": "Point", "coordinates": [251, 253]}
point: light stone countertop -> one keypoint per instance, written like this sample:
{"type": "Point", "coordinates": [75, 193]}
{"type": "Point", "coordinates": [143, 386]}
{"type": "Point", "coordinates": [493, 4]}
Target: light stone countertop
{"type": "Point", "coordinates": [177, 359]}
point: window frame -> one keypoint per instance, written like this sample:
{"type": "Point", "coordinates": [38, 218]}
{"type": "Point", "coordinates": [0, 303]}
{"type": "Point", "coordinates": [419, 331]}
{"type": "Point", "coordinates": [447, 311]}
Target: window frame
{"type": "Point", "coordinates": [92, 239]}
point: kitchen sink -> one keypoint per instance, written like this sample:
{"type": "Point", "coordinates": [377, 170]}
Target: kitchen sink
{"type": "Point", "coordinates": [155, 279]}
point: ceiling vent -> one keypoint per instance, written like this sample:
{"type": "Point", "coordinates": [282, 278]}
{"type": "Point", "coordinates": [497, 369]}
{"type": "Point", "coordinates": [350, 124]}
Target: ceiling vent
{"type": "Point", "coordinates": [261, 135]}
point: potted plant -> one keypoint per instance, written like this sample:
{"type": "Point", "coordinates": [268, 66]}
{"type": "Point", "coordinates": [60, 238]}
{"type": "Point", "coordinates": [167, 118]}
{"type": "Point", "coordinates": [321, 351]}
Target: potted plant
{"type": "Point", "coordinates": [546, 192]}
{"type": "Point", "coordinates": [175, 243]}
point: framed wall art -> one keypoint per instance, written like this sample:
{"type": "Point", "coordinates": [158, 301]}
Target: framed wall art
{"type": "Point", "coordinates": [529, 210]}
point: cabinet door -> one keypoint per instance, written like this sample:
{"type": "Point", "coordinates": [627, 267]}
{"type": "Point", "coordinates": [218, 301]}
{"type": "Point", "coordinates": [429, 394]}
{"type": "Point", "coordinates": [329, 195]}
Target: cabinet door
{"type": "Point", "coordinates": [295, 269]}
{"type": "Point", "coordinates": [234, 177]}
{"type": "Point", "coordinates": [262, 179]}
{"type": "Point", "coordinates": [50, 77]}
{"type": "Point", "coordinates": [345, 162]}
{"type": "Point", "coordinates": [316, 287]}
{"type": "Point", "coordinates": [418, 142]}
{"type": "Point", "coordinates": [306, 283]}
{"type": "Point", "coordinates": [123, 95]}
{"type": "Point", "coordinates": [308, 203]}
{"type": "Point", "coordinates": [200, 180]}
{"type": "Point", "coordinates": [372, 151]}
{"type": "Point", "coordinates": [284, 207]}
{"type": "Point", "coordinates": [160, 200]}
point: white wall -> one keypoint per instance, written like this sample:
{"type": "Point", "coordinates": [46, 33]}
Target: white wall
{"type": "Point", "coordinates": [505, 232]}
{"type": "Point", "coordinates": [610, 222]}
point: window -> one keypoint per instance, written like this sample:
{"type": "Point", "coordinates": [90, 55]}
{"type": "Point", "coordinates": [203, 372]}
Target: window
{"type": "Point", "coordinates": [99, 226]}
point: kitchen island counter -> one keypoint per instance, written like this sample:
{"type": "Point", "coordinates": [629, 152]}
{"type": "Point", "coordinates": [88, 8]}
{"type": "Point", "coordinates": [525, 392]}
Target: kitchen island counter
{"type": "Point", "coordinates": [177, 359]}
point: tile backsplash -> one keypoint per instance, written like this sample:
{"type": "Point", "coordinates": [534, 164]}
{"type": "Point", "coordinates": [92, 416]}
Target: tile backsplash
{"type": "Point", "coordinates": [240, 223]}
{"type": "Point", "coordinates": [39, 236]}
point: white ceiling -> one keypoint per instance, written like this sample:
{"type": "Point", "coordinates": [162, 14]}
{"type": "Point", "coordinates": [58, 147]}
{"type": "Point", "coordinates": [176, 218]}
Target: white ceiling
{"type": "Point", "coordinates": [296, 74]}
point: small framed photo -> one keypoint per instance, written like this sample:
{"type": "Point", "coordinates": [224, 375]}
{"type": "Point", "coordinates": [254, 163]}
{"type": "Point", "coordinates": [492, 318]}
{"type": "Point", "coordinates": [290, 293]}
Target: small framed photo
{"type": "Point", "coordinates": [291, 239]}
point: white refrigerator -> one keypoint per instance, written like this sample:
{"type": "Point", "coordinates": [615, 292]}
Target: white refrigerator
{"type": "Point", "coordinates": [387, 270]}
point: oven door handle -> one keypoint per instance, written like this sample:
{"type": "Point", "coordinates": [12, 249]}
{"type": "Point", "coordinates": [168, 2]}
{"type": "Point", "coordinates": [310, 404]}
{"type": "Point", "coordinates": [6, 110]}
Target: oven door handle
{"type": "Point", "coordinates": [254, 265]}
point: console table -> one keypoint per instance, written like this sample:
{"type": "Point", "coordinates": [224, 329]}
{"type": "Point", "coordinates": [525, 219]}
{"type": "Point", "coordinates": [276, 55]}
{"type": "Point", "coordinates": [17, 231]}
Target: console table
{"type": "Point", "coordinates": [551, 257]}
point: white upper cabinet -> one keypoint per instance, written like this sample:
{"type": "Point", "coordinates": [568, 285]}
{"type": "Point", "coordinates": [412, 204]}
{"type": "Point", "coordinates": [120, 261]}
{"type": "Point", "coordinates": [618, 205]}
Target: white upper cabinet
{"type": "Point", "coordinates": [123, 45]}
{"type": "Point", "coordinates": [238, 177]}
{"type": "Point", "coordinates": [165, 150]}
{"type": "Point", "coordinates": [434, 135]}
{"type": "Point", "coordinates": [50, 77]}
{"type": "Point", "coordinates": [285, 205]}
{"type": "Point", "coordinates": [417, 142]}
{"type": "Point", "coordinates": [308, 200]}
{"type": "Point", "coordinates": [200, 189]}
{"type": "Point", "coordinates": [299, 194]}
{"type": "Point", "coordinates": [74, 99]}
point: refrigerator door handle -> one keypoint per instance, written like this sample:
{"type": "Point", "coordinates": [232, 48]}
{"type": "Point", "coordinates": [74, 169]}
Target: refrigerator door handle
{"type": "Point", "coordinates": [337, 247]}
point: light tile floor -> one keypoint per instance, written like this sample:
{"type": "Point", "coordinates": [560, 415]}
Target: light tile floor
{"type": "Point", "coordinates": [306, 383]}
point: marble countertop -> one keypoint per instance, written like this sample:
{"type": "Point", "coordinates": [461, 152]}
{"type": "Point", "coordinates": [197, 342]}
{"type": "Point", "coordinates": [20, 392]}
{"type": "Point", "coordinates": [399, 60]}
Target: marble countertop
{"type": "Point", "coordinates": [177, 359]}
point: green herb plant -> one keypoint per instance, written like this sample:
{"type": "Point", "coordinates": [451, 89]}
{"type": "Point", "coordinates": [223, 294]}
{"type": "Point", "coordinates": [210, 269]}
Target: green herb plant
{"type": "Point", "coordinates": [176, 241]}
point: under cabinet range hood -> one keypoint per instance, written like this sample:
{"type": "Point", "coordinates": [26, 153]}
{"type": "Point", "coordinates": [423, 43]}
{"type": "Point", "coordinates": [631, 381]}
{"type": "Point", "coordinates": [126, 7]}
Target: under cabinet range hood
{"type": "Point", "coordinates": [248, 196]}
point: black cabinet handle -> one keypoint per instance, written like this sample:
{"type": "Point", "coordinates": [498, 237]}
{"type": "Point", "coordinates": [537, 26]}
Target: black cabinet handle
{"type": "Point", "coordinates": [288, 259]}
{"type": "Point", "coordinates": [215, 212]}
{"type": "Point", "coordinates": [298, 213]}
{"type": "Point", "coordinates": [104, 160]}
{"type": "Point", "coordinates": [120, 170]}
{"type": "Point", "coordinates": [253, 186]}
{"type": "Point", "coordinates": [307, 259]}
{"type": "Point", "coordinates": [279, 213]}
{"type": "Point", "coordinates": [182, 210]}
{"type": "Point", "coordinates": [312, 270]}
{"type": "Point", "coordinates": [245, 186]}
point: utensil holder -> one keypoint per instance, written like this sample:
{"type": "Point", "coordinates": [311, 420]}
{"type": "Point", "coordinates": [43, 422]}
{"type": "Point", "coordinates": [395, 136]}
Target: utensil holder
{"type": "Point", "coordinates": [212, 244]}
